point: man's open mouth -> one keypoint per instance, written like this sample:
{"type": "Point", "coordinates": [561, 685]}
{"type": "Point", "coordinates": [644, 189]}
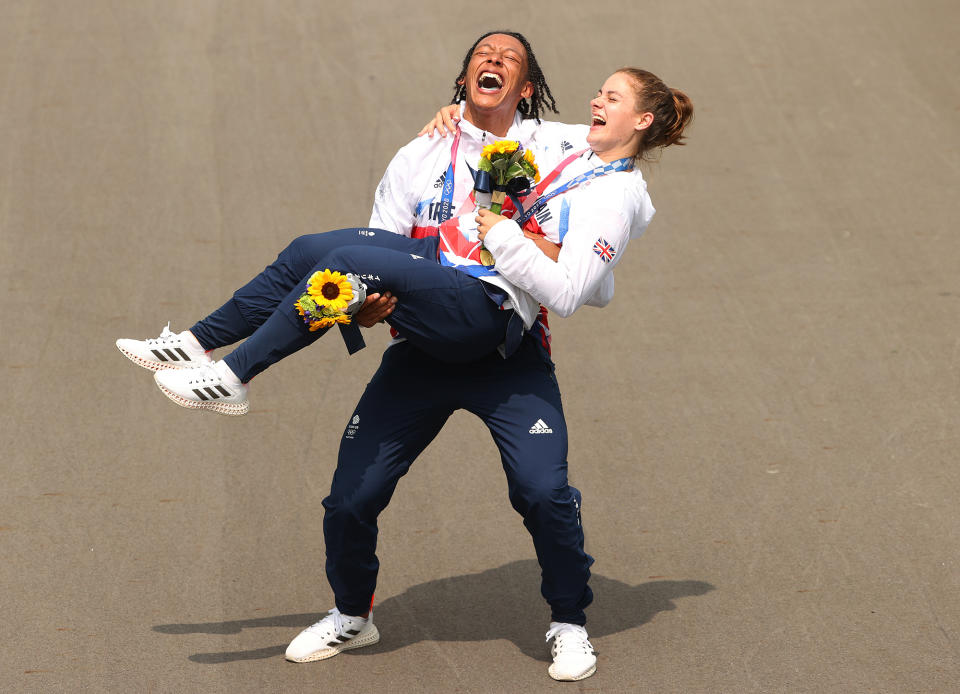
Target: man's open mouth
{"type": "Point", "coordinates": [489, 82]}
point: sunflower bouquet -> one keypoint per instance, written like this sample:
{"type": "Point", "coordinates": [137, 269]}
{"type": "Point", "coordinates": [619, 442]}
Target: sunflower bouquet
{"type": "Point", "coordinates": [505, 168]}
{"type": "Point", "coordinates": [325, 301]}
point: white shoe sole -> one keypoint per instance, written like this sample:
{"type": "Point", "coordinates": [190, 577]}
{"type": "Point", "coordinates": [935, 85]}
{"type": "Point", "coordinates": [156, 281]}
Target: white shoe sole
{"type": "Point", "coordinates": [153, 365]}
{"type": "Point", "coordinates": [577, 678]}
{"type": "Point", "coordinates": [233, 409]}
{"type": "Point", "coordinates": [359, 641]}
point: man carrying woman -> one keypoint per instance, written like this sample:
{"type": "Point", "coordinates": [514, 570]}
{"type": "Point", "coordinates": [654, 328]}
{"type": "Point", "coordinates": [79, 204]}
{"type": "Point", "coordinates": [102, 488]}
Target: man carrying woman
{"type": "Point", "coordinates": [594, 204]}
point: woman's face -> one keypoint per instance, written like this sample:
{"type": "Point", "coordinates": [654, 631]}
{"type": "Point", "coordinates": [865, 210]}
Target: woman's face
{"type": "Point", "coordinates": [616, 128]}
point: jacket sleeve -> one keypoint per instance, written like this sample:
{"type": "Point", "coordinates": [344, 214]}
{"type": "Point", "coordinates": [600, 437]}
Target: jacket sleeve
{"type": "Point", "coordinates": [604, 293]}
{"type": "Point", "coordinates": [581, 273]}
{"type": "Point", "coordinates": [394, 204]}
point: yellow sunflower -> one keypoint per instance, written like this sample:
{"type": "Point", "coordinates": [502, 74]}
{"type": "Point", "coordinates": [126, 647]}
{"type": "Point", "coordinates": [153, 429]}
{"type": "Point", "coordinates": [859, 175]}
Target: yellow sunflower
{"type": "Point", "coordinates": [327, 321]}
{"type": "Point", "coordinates": [330, 289]}
{"type": "Point", "coordinates": [499, 147]}
{"type": "Point", "coordinates": [528, 157]}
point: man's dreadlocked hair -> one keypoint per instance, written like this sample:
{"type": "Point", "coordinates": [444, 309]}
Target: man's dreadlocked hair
{"type": "Point", "coordinates": [542, 98]}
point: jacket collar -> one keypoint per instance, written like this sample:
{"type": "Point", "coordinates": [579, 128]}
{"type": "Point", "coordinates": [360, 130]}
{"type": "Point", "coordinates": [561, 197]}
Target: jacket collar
{"type": "Point", "coordinates": [519, 130]}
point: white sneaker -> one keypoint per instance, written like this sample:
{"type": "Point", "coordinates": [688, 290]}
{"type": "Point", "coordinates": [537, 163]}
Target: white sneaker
{"type": "Point", "coordinates": [169, 351]}
{"type": "Point", "coordinates": [207, 387]}
{"type": "Point", "coordinates": [334, 633]}
{"type": "Point", "coordinates": [573, 656]}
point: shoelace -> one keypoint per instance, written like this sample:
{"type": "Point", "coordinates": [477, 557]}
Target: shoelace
{"type": "Point", "coordinates": [569, 635]}
{"type": "Point", "coordinates": [203, 373]}
{"type": "Point", "coordinates": [333, 616]}
{"type": "Point", "coordinates": [165, 336]}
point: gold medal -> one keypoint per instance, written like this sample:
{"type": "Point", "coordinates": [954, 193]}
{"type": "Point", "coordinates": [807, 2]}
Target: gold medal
{"type": "Point", "coordinates": [486, 257]}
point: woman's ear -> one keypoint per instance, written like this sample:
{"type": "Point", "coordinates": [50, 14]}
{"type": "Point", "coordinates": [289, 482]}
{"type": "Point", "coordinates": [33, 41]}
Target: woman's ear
{"type": "Point", "coordinates": [644, 121]}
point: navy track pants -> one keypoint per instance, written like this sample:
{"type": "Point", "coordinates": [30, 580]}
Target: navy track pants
{"type": "Point", "coordinates": [401, 411]}
{"type": "Point", "coordinates": [446, 316]}
{"type": "Point", "coordinates": [444, 312]}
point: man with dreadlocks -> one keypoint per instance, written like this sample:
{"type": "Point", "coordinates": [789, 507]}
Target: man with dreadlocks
{"type": "Point", "coordinates": [409, 399]}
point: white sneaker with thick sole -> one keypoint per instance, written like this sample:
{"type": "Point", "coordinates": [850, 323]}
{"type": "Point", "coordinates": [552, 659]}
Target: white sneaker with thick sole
{"type": "Point", "coordinates": [207, 387]}
{"type": "Point", "coordinates": [169, 351]}
{"type": "Point", "coordinates": [573, 656]}
{"type": "Point", "coordinates": [334, 633]}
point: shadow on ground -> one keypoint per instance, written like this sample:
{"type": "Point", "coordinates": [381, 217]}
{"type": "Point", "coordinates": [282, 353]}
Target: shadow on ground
{"type": "Point", "coordinates": [501, 603]}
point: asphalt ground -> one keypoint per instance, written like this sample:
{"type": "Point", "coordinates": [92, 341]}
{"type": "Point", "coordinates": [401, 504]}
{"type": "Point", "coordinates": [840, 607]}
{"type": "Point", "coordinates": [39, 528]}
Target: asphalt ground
{"type": "Point", "coordinates": [763, 423]}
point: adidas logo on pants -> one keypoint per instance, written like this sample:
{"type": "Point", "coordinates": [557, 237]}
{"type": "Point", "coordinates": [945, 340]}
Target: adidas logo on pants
{"type": "Point", "coordinates": [540, 427]}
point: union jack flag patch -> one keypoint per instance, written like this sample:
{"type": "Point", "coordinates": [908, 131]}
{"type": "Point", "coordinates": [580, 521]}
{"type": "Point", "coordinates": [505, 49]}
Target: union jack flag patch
{"type": "Point", "coordinates": [604, 250]}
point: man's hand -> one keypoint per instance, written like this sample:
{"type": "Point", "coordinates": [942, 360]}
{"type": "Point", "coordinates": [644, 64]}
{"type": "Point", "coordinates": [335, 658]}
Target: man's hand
{"type": "Point", "coordinates": [445, 121]}
{"type": "Point", "coordinates": [550, 249]}
{"type": "Point", "coordinates": [375, 309]}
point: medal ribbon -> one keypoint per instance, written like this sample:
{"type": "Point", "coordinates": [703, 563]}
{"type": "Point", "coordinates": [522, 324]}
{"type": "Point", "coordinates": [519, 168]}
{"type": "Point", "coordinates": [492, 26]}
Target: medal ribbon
{"type": "Point", "coordinates": [625, 164]}
{"type": "Point", "coordinates": [446, 195]}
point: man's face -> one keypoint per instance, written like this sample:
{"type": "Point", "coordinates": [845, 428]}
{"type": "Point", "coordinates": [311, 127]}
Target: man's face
{"type": "Point", "coordinates": [496, 76]}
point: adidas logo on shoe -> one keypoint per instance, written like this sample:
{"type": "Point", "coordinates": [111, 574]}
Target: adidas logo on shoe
{"type": "Point", "coordinates": [209, 387]}
{"type": "Point", "coordinates": [168, 351]}
{"type": "Point", "coordinates": [333, 634]}
{"type": "Point", "coordinates": [540, 427]}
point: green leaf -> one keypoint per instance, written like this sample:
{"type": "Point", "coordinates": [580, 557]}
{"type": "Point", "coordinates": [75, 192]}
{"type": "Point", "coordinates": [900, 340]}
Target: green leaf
{"type": "Point", "coordinates": [514, 171]}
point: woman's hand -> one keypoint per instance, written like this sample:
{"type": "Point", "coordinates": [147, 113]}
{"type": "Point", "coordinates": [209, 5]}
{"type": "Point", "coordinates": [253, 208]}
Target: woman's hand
{"type": "Point", "coordinates": [445, 121]}
{"type": "Point", "coordinates": [375, 309]}
{"type": "Point", "coordinates": [486, 220]}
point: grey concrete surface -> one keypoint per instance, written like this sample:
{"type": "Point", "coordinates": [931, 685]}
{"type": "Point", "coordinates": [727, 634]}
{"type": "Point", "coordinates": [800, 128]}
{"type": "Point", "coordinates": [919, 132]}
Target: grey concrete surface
{"type": "Point", "coordinates": [763, 424]}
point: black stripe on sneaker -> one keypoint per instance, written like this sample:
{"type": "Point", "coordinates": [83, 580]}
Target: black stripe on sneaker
{"type": "Point", "coordinates": [158, 355]}
{"type": "Point", "coordinates": [333, 644]}
{"type": "Point", "coordinates": [212, 392]}
{"type": "Point", "coordinates": [200, 394]}
{"type": "Point", "coordinates": [352, 632]}
{"type": "Point", "coordinates": [342, 638]}
{"type": "Point", "coordinates": [226, 393]}
{"type": "Point", "coordinates": [173, 357]}
{"type": "Point", "coordinates": [182, 354]}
